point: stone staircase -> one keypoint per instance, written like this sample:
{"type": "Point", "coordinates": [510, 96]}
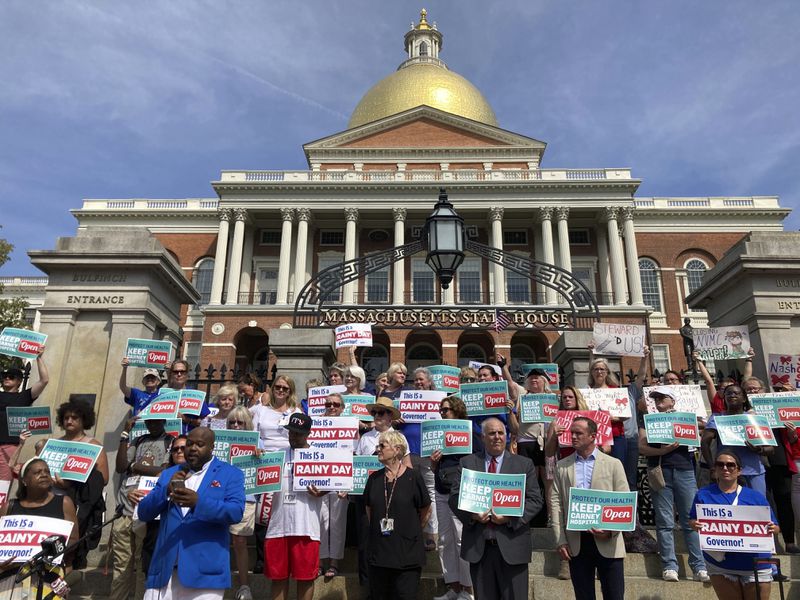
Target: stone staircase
{"type": "Point", "coordinates": [642, 577]}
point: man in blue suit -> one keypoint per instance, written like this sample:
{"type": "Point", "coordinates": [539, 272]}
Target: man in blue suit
{"type": "Point", "coordinates": [197, 502]}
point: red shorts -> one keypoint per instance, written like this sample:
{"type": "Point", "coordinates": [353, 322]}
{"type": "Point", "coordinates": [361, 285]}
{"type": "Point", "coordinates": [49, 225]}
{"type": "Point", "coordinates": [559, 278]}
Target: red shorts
{"type": "Point", "coordinates": [293, 556]}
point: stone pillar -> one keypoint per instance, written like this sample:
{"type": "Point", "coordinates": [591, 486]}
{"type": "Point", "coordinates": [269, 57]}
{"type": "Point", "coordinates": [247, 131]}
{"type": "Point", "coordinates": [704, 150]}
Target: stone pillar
{"type": "Point", "coordinates": [617, 262]}
{"type": "Point", "coordinates": [351, 218]}
{"type": "Point", "coordinates": [218, 278]}
{"type": "Point", "coordinates": [287, 216]}
{"type": "Point", "coordinates": [498, 273]}
{"type": "Point", "coordinates": [302, 354]}
{"type": "Point", "coordinates": [545, 216]}
{"type": "Point", "coordinates": [632, 257]}
{"type": "Point", "coordinates": [562, 214]}
{"type": "Point", "coordinates": [571, 352]}
{"type": "Point", "coordinates": [303, 217]}
{"type": "Point", "coordinates": [237, 248]}
{"type": "Point", "coordinates": [247, 263]}
{"type": "Point", "coordinates": [603, 266]}
{"type": "Point", "coordinates": [398, 269]}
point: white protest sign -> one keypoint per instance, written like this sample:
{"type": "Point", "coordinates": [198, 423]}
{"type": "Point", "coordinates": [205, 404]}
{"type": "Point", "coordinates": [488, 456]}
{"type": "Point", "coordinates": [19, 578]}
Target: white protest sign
{"type": "Point", "coordinates": [736, 528]}
{"type": "Point", "coordinates": [317, 395]}
{"type": "Point", "coordinates": [329, 470]}
{"type": "Point", "coordinates": [784, 369]}
{"type": "Point", "coordinates": [354, 334]}
{"type": "Point", "coordinates": [614, 401]}
{"type": "Point", "coordinates": [21, 535]}
{"type": "Point", "coordinates": [334, 432]}
{"type": "Point", "coordinates": [722, 343]}
{"type": "Point", "coordinates": [419, 405]}
{"type": "Point", "coordinates": [619, 339]}
{"type": "Point", "coordinates": [688, 398]}
{"type": "Point", "coordinates": [474, 364]}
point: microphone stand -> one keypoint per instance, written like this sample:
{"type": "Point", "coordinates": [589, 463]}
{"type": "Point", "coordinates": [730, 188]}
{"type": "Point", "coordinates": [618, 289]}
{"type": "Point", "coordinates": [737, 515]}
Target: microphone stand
{"type": "Point", "coordinates": [38, 563]}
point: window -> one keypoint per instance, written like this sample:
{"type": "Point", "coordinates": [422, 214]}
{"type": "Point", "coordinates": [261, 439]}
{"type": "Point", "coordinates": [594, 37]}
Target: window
{"type": "Point", "coordinates": [378, 286]}
{"type": "Point", "coordinates": [422, 283]}
{"type": "Point", "coordinates": [423, 49]}
{"type": "Point", "coordinates": [579, 237]}
{"type": "Point", "coordinates": [469, 352]}
{"type": "Point", "coordinates": [422, 355]}
{"type": "Point", "coordinates": [469, 281]}
{"type": "Point", "coordinates": [267, 285]}
{"type": "Point", "coordinates": [651, 283]}
{"type": "Point", "coordinates": [328, 237]}
{"type": "Point", "coordinates": [518, 288]}
{"type": "Point", "coordinates": [695, 270]}
{"type": "Point", "coordinates": [522, 354]}
{"type": "Point", "coordinates": [191, 353]}
{"type": "Point", "coordinates": [374, 361]}
{"type": "Point", "coordinates": [270, 237]}
{"type": "Point", "coordinates": [585, 275]}
{"type": "Point", "coordinates": [203, 275]}
{"type": "Point", "coordinates": [515, 238]}
{"type": "Point", "coordinates": [325, 261]}
{"type": "Point", "coordinates": [660, 357]}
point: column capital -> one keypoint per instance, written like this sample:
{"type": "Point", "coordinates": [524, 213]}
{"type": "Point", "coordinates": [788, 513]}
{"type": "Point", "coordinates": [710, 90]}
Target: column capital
{"type": "Point", "coordinates": [496, 213]}
{"type": "Point", "coordinates": [287, 214]}
{"type": "Point", "coordinates": [239, 214]}
{"type": "Point", "coordinates": [610, 213]}
{"type": "Point", "coordinates": [224, 214]}
{"type": "Point", "coordinates": [303, 214]}
{"type": "Point", "coordinates": [399, 214]}
{"type": "Point", "coordinates": [627, 213]}
{"type": "Point", "coordinates": [545, 213]}
{"type": "Point", "coordinates": [562, 213]}
{"type": "Point", "coordinates": [351, 214]}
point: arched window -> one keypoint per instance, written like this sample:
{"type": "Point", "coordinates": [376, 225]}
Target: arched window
{"type": "Point", "coordinates": [521, 354]}
{"type": "Point", "coordinates": [469, 352]}
{"type": "Point", "coordinates": [422, 355]}
{"type": "Point", "coordinates": [651, 283]}
{"type": "Point", "coordinates": [203, 275]}
{"type": "Point", "coordinates": [374, 361]}
{"type": "Point", "coordinates": [423, 49]}
{"type": "Point", "coordinates": [695, 270]}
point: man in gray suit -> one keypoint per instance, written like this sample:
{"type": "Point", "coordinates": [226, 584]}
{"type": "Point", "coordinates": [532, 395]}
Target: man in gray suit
{"type": "Point", "coordinates": [595, 550]}
{"type": "Point", "coordinates": [498, 548]}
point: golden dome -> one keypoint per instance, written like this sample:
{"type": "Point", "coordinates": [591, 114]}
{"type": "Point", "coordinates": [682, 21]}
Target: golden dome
{"type": "Point", "coordinates": [417, 84]}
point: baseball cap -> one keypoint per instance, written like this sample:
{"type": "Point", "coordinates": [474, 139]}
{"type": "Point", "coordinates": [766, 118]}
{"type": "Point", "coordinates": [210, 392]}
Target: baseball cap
{"type": "Point", "coordinates": [663, 390]}
{"type": "Point", "coordinates": [151, 373]}
{"type": "Point", "coordinates": [299, 423]}
{"type": "Point", "coordinates": [536, 371]}
{"type": "Point", "coordinates": [13, 372]}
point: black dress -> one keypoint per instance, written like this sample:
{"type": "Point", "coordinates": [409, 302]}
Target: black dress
{"type": "Point", "coordinates": [53, 509]}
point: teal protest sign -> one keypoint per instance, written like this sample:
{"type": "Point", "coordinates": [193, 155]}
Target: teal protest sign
{"type": "Point", "coordinates": [355, 405]}
{"type": "Point", "coordinates": [538, 408]}
{"type": "Point", "coordinates": [451, 436]}
{"type": "Point", "coordinates": [504, 494]}
{"type": "Point", "coordinates": [551, 369]}
{"type": "Point", "coordinates": [70, 460]}
{"type": "Point", "coordinates": [487, 398]}
{"type": "Point", "coordinates": [173, 427]}
{"type": "Point", "coordinates": [600, 509]}
{"type": "Point", "coordinates": [363, 467]}
{"type": "Point", "coordinates": [777, 407]}
{"type": "Point", "coordinates": [445, 377]}
{"type": "Point", "coordinates": [21, 342]}
{"type": "Point", "coordinates": [163, 406]}
{"type": "Point", "coordinates": [35, 419]}
{"type": "Point", "coordinates": [735, 430]}
{"type": "Point", "coordinates": [671, 427]}
{"type": "Point", "coordinates": [191, 402]}
{"type": "Point", "coordinates": [148, 353]}
{"type": "Point", "coordinates": [262, 474]}
{"type": "Point", "coordinates": [231, 443]}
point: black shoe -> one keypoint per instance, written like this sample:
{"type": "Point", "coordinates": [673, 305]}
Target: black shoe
{"type": "Point", "coordinates": [780, 577]}
{"type": "Point", "coordinates": [259, 568]}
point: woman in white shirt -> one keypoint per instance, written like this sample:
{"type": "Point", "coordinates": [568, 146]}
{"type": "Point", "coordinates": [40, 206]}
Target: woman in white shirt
{"type": "Point", "coordinates": [269, 420]}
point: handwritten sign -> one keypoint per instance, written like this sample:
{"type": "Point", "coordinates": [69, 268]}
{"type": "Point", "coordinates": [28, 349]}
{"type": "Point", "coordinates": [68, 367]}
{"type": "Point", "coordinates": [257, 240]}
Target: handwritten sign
{"type": "Point", "coordinates": [70, 460]}
{"type": "Point", "coordinates": [688, 398]}
{"type": "Point", "coordinates": [451, 436]}
{"type": "Point", "coordinates": [333, 432]}
{"type": "Point", "coordinates": [22, 343]}
{"type": "Point", "coordinates": [354, 334]}
{"type": "Point", "coordinates": [163, 406]}
{"type": "Point", "coordinates": [487, 398]}
{"type": "Point", "coordinates": [777, 407]}
{"type": "Point", "coordinates": [329, 470]}
{"type": "Point", "coordinates": [550, 369]}
{"type": "Point", "coordinates": [538, 408]}
{"type": "Point", "coordinates": [722, 343]}
{"type": "Point", "coordinates": [148, 353]}
{"type": "Point", "coordinates": [231, 443]}
{"type": "Point", "coordinates": [784, 369]}
{"type": "Point", "coordinates": [619, 339]}
{"type": "Point", "coordinates": [419, 405]}
{"type": "Point", "coordinates": [502, 493]}
{"type": "Point", "coordinates": [317, 396]}
{"type": "Point", "coordinates": [4, 486]}
{"type": "Point", "coordinates": [21, 536]}
{"type": "Point", "coordinates": [601, 509]}
{"type": "Point", "coordinates": [35, 419]}
{"type": "Point", "coordinates": [445, 377]}
{"type": "Point", "coordinates": [355, 405]}
{"type": "Point", "coordinates": [262, 474]}
{"type": "Point", "coordinates": [363, 467]}
{"type": "Point", "coordinates": [735, 430]}
{"type": "Point", "coordinates": [736, 528]}
{"type": "Point", "coordinates": [614, 401]}
{"type": "Point", "coordinates": [564, 419]}
{"type": "Point", "coordinates": [671, 427]}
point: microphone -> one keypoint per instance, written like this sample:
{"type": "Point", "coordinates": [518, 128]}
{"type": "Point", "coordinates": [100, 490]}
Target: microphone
{"type": "Point", "coordinates": [52, 546]}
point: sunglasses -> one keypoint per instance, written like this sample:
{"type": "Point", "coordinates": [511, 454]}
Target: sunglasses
{"type": "Point", "coordinates": [177, 449]}
{"type": "Point", "coordinates": [236, 422]}
{"type": "Point", "coordinates": [468, 380]}
{"type": "Point", "coordinates": [8, 376]}
{"type": "Point", "coordinates": [445, 409]}
{"type": "Point", "coordinates": [281, 388]}
{"type": "Point", "coordinates": [378, 413]}
{"type": "Point", "coordinates": [332, 405]}
{"type": "Point", "coordinates": [179, 372]}
{"type": "Point", "coordinates": [730, 466]}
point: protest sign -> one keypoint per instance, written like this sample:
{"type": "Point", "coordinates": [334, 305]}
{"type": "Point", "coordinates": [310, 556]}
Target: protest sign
{"type": "Point", "coordinates": [601, 509]}
{"type": "Point", "coordinates": [721, 343]}
{"type": "Point", "coordinates": [551, 369]}
{"type": "Point", "coordinates": [148, 353]}
{"type": "Point", "coordinates": [4, 485]}
{"type": "Point", "coordinates": [173, 427]}
{"type": "Point", "coordinates": [35, 419]}
{"type": "Point", "coordinates": [445, 377]}
{"type": "Point", "coordinates": [734, 528]}
{"type": "Point", "coordinates": [355, 405]}
{"type": "Point", "coordinates": [230, 443]}
{"type": "Point", "coordinates": [363, 467]}
{"type": "Point", "coordinates": [317, 395]}
{"type": "Point", "coordinates": [21, 536]}
{"type": "Point", "coordinates": [537, 408]}
{"type": "Point", "coordinates": [777, 407]}
{"type": "Point", "coordinates": [619, 339]}
{"type": "Point", "coordinates": [329, 470]}
{"type": "Point", "coordinates": [354, 334]}
{"type": "Point", "coordinates": [70, 460]}
{"type": "Point", "coordinates": [784, 369]}
{"type": "Point", "coordinates": [671, 427]}
{"type": "Point", "coordinates": [262, 474]}
{"type": "Point", "coordinates": [487, 398]}
{"type": "Point", "coordinates": [22, 343]}
{"type": "Point", "coordinates": [333, 432]}
{"type": "Point", "coordinates": [688, 398]}
{"type": "Point", "coordinates": [419, 405]}
{"type": "Point", "coordinates": [502, 493]}
{"type": "Point", "coordinates": [614, 401]}
{"type": "Point", "coordinates": [734, 430]}
{"type": "Point", "coordinates": [564, 419]}
{"type": "Point", "coordinates": [147, 484]}
{"type": "Point", "coordinates": [163, 406]}
{"type": "Point", "coordinates": [191, 402]}
{"type": "Point", "coordinates": [451, 436]}
{"type": "Point", "coordinates": [476, 364]}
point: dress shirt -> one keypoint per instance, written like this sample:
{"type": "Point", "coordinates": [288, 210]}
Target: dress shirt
{"type": "Point", "coordinates": [193, 482]}
{"type": "Point", "coordinates": [584, 467]}
{"type": "Point", "coordinates": [488, 460]}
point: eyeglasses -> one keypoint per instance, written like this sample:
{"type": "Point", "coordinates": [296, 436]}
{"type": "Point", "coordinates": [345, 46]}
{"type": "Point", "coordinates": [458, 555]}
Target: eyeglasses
{"type": "Point", "coordinates": [332, 404]}
{"type": "Point", "coordinates": [468, 380]}
{"type": "Point", "coordinates": [378, 413]}
{"type": "Point", "coordinates": [236, 422]}
{"type": "Point", "coordinates": [730, 466]}
{"type": "Point", "coordinates": [176, 449]}
{"type": "Point", "coordinates": [281, 388]}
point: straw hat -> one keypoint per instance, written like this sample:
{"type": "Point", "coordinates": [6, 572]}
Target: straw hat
{"type": "Point", "coordinates": [388, 404]}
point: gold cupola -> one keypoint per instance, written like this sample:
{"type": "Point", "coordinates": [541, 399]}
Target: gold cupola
{"type": "Point", "coordinates": [423, 79]}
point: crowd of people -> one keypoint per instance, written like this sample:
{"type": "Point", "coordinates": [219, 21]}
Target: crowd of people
{"type": "Point", "coordinates": [176, 540]}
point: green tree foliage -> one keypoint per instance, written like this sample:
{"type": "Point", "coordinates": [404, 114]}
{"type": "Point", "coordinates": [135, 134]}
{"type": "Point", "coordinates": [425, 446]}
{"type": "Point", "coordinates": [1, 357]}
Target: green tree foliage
{"type": "Point", "coordinates": [12, 310]}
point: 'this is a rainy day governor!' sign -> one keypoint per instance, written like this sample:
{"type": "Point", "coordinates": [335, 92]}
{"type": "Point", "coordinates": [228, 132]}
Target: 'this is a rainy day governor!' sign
{"type": "Point", "coordinates": [735, 528]}
{"type": "Point", "coordinates": [600, 509]}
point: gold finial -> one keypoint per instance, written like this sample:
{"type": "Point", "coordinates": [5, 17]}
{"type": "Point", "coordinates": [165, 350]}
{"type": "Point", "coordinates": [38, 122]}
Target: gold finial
{"type": "Point", "coordinates": [423, 22]}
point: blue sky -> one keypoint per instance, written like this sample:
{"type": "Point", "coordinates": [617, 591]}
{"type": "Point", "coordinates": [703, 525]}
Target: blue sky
{"type": "Point", "coordinates": [153, 99]}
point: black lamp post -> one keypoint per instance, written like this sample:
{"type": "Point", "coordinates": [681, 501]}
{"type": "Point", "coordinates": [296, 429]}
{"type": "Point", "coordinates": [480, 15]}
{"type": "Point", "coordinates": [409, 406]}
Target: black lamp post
{"type": "Point", "coordinates": [444, 233]}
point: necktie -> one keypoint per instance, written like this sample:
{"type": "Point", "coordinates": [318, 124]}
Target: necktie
{"type": "Point", "coordinates": [493, 465]}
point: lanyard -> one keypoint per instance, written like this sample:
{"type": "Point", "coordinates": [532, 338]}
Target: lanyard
{"type": "Point", "coordinates": [387, 497]}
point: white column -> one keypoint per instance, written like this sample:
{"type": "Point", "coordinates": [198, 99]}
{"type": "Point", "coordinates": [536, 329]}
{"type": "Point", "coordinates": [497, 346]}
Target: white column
{"type": "Point", "coordinates": [565, 258]}
{"type": "Point", "coordinates": [235, 271]}
{"type": "Point", "coordinates": [449, 295]}
{"type": "Point", "coordinates": [351, 218]}
{"type": "Point", "coordinates": [220, 257]}
{"type": "Point", "coordinates": [545, 216]}
{"type": "Point", "coordinates": [632, 257]}
{"type": "Point", "coordinates": [498, 273]}
{"type": "Point", "coordinates": [247, 261]}
{"type": "Point", "coordinates": [398, 273]}
{"type": "Point", "coordinates": [303, 217]}
{"type": "Point", "coordinates": [617, 261]}
{"type": "Point", "coordinates": [287, 216]}
{"type": "Point", "coordinates": [603, 266]}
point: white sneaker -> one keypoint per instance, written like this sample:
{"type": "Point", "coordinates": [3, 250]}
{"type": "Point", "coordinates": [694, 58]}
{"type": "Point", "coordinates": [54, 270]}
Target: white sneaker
{"type": "Point", "coordinates": [669, 575]}
{"type": "Point", "coordinates": [244, 593]}
{"type": "Point", "coordinates": [465, 595]}
{"type": "Point", "coordinates": [702, 576]}
{"type": "Point", "coordinates": [450, 594]}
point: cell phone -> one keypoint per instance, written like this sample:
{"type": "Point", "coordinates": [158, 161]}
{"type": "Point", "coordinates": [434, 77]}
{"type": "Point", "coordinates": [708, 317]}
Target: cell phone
{"type": "Point", "coordinates": [178, 484]}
